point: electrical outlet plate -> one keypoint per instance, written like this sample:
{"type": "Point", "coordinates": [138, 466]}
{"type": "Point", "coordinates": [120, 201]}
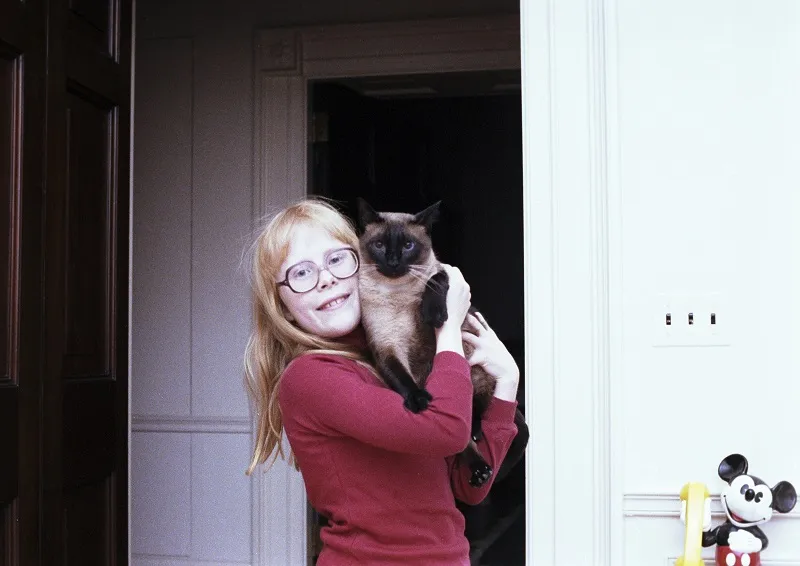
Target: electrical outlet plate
{"type": "Point", "coordinates": [703, 307]}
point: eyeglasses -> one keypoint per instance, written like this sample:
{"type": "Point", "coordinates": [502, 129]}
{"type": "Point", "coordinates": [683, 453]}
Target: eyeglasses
{"type": "Point", "coordinates": [304, 276]}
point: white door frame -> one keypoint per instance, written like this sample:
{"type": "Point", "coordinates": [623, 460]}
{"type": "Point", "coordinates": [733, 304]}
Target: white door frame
{"type": "Point", "coordinates": [568, 338]}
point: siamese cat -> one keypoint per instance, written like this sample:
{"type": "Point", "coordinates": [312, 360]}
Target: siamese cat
{"type": "Point", "coordinates": [403, 292]}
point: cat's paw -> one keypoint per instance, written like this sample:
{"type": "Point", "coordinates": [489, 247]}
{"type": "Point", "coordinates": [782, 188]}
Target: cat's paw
{"type": "Point", "coordinates": [481, 472]}
{"type": "Point", "coordinates": [434, 314]}
{"type": "Point", "coordinates": [417, 400]}
{"type": "Point", "coordinates": [434, 300]}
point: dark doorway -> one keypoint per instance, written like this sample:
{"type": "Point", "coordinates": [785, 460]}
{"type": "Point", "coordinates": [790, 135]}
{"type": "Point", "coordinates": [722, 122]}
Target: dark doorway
{"type": "Point", "coordinates": [403, 143]}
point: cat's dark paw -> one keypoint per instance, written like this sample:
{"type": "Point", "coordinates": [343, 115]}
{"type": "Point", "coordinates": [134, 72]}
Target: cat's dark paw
{"type": "Point", "coordinates": [434, 300]}
{"type": "Point", "coordinates": [433, 314]}
{"type": "Point", "coordinates": [417, 400]}
{"type": "Point", "coordinates": [481, 472]}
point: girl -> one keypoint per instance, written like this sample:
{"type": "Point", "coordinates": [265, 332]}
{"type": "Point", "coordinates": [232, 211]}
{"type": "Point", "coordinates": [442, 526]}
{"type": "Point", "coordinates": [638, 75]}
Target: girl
{"type": "Point", "coordinates": [384, 477]}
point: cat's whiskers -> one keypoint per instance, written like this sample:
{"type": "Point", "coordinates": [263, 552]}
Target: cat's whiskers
{"type": "Point", "coordinates": [417, 272]}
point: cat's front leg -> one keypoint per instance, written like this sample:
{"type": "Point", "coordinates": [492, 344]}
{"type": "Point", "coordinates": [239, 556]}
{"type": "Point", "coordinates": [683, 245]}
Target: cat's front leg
{"type": "Point", "coordinates": [434, 300]}
{"type": "Point", "coordinates": [397, 377]}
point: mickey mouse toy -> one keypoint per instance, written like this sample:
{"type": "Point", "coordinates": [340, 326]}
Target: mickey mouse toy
{"type": "Point", "coordinates": [748, 502]}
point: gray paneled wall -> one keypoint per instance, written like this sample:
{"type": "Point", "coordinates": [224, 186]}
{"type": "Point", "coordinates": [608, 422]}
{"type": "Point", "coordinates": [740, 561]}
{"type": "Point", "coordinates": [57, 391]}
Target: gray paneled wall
{"type": "Point", "coordinates": [191, 435]}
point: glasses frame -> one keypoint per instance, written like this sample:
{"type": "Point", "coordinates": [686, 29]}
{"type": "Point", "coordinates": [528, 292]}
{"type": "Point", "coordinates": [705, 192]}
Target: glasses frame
{"type": "Point", "coordinates": [285, 282]}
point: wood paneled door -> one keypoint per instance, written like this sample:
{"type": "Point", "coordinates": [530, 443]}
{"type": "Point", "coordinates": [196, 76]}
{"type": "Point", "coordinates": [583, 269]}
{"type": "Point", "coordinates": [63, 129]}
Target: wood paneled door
{"type": "Point", "coordinates": [65, 96]}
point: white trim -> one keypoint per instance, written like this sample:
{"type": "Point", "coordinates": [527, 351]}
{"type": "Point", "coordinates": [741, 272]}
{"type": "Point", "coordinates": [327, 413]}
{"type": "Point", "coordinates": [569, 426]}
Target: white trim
{"type": "Point", "coordinates": [668, 505]}
{"type": "Point", "coordinates": [150, 423]}
{"type": "Point", "coordinates": [538, 223]}
{"type": "Point", "coordinates": [709, 556]}
{"type": "Point", "coordinates": [598, 209]}
{"type": "Point", "coordinates": [155, 560]}
{"type": "Point", "coordinates": [572, 344]}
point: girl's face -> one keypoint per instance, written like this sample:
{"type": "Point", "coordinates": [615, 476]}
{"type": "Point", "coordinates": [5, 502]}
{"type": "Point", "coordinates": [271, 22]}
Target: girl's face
{"type": "Point", "coordinates": [331, 309]}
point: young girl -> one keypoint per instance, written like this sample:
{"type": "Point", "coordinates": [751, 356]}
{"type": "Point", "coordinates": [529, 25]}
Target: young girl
{"type": "Point", "coordinates": [384, 477]}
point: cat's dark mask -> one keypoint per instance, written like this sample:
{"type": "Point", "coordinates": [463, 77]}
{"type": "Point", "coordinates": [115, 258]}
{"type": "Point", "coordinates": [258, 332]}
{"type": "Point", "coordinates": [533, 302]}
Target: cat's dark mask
{"type": "Point", "coordinates": [396, 242]}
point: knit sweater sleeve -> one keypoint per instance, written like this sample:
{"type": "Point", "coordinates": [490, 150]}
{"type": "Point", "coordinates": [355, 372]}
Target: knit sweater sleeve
{"type": "Point", "coordinates": [326, 393]}
{"type": "Point", "coordinates": [498, 431]}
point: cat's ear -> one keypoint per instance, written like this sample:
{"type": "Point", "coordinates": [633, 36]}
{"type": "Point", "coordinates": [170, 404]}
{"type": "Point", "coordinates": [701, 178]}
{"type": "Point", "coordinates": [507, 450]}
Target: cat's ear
{"type": "Point", "coordinates": [366, 214]}
{"type": "Point", "coordinates": [428, 216]}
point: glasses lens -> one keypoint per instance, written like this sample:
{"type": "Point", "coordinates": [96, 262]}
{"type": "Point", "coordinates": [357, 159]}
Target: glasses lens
{"type": "Point", "coordinates": [342, 263]}
{"type": "Point", "coordinates": [303, 277]}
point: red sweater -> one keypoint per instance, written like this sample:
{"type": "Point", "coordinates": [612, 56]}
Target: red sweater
{"type": "Point", "coordinates": [386, 477]}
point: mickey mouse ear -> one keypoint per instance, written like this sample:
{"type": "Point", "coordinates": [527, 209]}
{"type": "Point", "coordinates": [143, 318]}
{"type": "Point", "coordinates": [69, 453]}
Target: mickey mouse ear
{"type": "Point", "coordinates": [732, 466]}
{"type": "Point", "coordinates": [784, 497]}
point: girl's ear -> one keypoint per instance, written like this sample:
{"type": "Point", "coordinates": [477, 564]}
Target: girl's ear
{"type": "Point", "coordinates": [732, 466]}
{"type": "Point", "coordinates": [784, 497]}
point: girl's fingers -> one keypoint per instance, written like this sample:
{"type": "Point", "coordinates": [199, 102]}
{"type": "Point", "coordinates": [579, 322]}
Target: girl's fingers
{"type": "Point", "coordinates": [470, 338]}
{"type": "Point", "coordinates": [482, 320]}
{"type": "Point", "coordinates": [475, 323]}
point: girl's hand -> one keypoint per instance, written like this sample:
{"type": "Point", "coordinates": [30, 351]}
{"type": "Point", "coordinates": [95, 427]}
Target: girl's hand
{"type": "Point", "coordinates": [458, 295]}
{"type": "Point", "coordinates": [448, 336]}
{"type": "Point", "coordinates": [493, 356]}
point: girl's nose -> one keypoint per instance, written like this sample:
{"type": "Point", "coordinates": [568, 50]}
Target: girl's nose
{"type": "Point", "coordinates": [325, 279]}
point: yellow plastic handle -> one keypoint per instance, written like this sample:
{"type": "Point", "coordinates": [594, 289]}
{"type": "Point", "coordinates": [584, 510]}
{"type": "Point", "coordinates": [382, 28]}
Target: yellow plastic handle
{"type": "Point", "coordinates": [695, 496]}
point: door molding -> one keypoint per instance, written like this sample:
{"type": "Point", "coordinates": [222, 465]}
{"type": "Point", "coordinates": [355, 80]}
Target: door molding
{"type": "Point", "coordinates": [570, 218]}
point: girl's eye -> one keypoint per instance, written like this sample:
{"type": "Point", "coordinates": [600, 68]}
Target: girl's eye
{"type": "Point", "coordinates": [408, 245]}
{"type": "Point", "coordinates": [301, 272]}
{"type": "Point", "coordinates": [334, 259]}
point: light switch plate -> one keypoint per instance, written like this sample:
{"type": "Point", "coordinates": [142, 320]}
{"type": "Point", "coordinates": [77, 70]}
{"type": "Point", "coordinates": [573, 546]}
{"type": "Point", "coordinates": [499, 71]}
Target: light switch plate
{"type": "Point", "coordinates": [690, 319]}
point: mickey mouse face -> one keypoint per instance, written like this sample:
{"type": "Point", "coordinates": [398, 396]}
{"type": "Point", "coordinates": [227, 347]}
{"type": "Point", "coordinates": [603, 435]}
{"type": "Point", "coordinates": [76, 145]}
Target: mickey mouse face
{"type": "Point", "coordinates": [747, 501]}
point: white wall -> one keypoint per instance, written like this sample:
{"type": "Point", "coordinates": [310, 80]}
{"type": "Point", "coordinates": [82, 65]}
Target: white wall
{"type": "Point", "coordinates": [193, 206]}
{"type": "Point", "coordinates": [707, 123]}
{"type": "Point", "coordinates": [660, 158]}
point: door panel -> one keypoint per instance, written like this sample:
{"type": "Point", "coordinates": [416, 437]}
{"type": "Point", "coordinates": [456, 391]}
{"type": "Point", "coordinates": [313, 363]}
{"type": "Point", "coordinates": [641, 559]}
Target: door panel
{"type": "Point", "coordinates": [94, 21]}
{"type": "Point", "coordinates": [22, 64]}
{"type": "Point", "coordinates": [88, 281]}
{"type": "Point", "coordinates": [10, 133]}
{"type": "Point", "coordinates": [64, 179]}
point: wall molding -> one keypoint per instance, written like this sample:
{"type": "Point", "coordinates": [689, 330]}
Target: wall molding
{"type": "Point", "coordinates": [214, 425]}
{"type": "Point", "coordinates": [668, 505]}
{"type": "Point", "coordinates": [600, 315]}
{"type": "Point", "coordinates": [709, 557]}
{"type": "Point", "coordinates": [573, 262]}
{"type": "Point", "coordinates": [285, 60]}
{"type": "Point", "coordinates": [156, 560]}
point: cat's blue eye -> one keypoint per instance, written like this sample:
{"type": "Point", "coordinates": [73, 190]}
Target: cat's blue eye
{"type": "Point", "coordinates": [408, 245]}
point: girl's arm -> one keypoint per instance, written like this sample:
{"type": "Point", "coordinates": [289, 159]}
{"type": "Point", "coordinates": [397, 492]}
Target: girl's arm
{"type": "Point", "coordinates": [498, 432]}
{"type": "Point", "coordinates": [326, 393]}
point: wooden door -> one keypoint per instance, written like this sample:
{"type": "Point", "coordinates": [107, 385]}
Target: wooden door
{"type": "Point", "coordinates": [64, 179]}
{"type": "Point", "coordinates": [22, 126]}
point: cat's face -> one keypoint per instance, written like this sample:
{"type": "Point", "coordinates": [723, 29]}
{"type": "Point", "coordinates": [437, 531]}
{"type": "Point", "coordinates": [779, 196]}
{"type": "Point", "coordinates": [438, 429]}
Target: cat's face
{"type": "Point", "coordinates": [395, 242]}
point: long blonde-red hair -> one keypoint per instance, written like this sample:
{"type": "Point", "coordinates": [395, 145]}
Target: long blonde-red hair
{"type": "Point", "coordinates": [275, 341]}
